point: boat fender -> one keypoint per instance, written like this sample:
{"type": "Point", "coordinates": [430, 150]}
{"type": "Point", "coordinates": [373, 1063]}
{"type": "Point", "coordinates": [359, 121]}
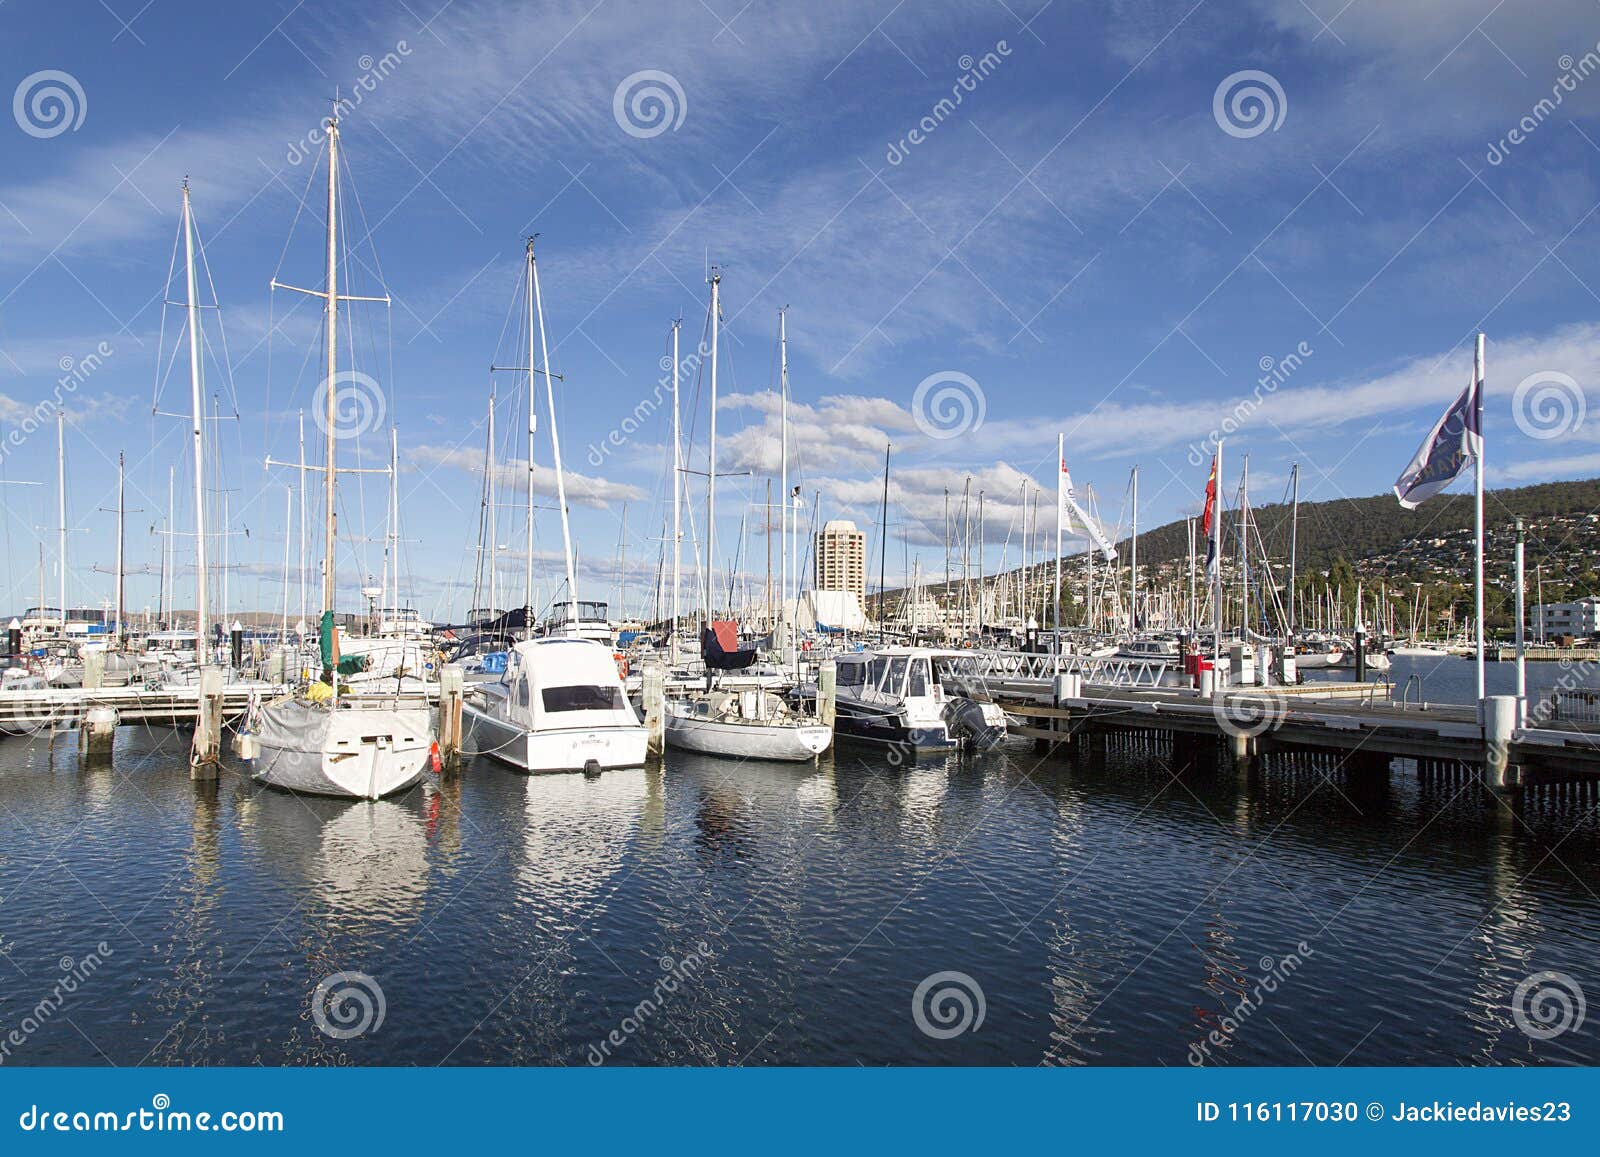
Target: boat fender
{"type": "Point", "coordinates": [433, 758]}
{"type": "Point", "coordinates": [246, 746]}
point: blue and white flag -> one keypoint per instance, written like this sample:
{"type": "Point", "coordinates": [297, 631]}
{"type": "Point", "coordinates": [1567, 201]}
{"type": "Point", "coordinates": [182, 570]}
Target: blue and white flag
{"type": "Point", "coordinates": [1454, 443]}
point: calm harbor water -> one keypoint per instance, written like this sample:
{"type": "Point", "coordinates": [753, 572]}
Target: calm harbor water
{"type": "Point", "coordinates": [708, 912]}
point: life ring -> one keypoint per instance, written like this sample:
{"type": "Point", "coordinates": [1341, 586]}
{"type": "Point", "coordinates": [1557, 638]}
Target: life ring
{"type": "Point", "coordinates": [622, 663]}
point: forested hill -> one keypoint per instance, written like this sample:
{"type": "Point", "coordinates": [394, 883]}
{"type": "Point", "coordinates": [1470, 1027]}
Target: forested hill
{"type": "Point", "coordinates": [1356, 528]}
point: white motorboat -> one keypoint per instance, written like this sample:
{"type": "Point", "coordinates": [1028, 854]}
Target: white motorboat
{"type": "Point", "coordinates": [744, 725]}
{"type": "Point", "coordinates": [559, 706]}
{"type": "Point", "coordinates": [360, 747]}
{"type": "Point", "coordinates": [896, 696]}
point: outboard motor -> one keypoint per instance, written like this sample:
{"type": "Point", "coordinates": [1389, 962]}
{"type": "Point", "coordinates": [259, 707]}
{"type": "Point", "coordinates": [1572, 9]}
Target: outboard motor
{"type": "Point", "coordinates": [980, 726]}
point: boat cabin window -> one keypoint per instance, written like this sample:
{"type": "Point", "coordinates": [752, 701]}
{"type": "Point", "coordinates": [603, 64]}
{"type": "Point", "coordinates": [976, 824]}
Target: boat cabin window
{"type": "Point", "coordinates": [894, 682]}
{"type": "Point", "coordinates": [918, 684]}
{"type": "Point", "coordinates": [852, 674]}
{"type": "Point", "coordinates": [875, 670]}
{"type": "Point", "coordinates": [522, 691]}
{"type": "Point", "coordinates": [582, 698]}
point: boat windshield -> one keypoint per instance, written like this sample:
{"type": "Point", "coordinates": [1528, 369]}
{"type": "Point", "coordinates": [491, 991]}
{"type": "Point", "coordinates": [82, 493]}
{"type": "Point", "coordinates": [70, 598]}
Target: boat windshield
{"type": "Point", "coordinates": [582, 698]}
{"type": "Point", "coordinates": [919, 678]}
{"type": "Point", "coordinates": [895, 680]}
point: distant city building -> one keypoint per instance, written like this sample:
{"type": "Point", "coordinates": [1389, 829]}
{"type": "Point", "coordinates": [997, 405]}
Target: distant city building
{"type": "Point", "coordinates": [842, 558]}
{"type": "Point", "coordinates": [1581, 618]}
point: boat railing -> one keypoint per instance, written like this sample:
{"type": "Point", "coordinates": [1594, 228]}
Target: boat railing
{"type": "Point", "coordinates": [994, 666]}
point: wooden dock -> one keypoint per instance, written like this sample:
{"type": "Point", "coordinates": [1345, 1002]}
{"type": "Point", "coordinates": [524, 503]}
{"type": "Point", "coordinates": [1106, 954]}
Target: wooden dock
{"type": "Point", "coordinates": [57, 708]}
{"type": "Point", "coordinates": [1358, 723]}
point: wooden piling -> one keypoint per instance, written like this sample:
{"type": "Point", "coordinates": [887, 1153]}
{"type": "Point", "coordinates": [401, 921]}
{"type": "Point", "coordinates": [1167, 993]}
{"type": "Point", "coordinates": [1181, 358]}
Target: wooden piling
{"type": "Point", "coordinates": [452, 682]}
{"type": "Point", "coordinates": [207, 746]}
{"type": "Point", "coordinates": [827, 691]}
{"type": "Point", "coordinates": [97, 732]}
{"type": "Point", "coordinates": [94, 670]}
{"type": "Point", "coordinates": [654, 684]}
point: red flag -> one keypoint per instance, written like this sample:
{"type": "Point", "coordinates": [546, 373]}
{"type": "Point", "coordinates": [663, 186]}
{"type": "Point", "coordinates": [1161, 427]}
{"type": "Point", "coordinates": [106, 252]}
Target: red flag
{"type": "Point", "coordinates": [1208, 515]}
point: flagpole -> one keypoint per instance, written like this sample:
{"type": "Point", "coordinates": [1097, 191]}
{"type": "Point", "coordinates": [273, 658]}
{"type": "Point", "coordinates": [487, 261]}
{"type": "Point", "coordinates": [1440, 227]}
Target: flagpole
{"type": "Point", "coordinates": [1061, 457]}
{"type": "Point", "coordinates": [1477, 501]}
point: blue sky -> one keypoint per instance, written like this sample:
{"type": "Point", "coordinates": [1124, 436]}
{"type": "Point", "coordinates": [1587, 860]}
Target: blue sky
{"type": "Point", "coordinates": [1095, 236]}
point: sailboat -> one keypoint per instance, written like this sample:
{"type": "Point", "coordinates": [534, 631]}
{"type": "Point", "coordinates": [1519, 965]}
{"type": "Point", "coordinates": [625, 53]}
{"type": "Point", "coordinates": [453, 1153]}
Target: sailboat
{"type": "Point", "coordinates": [560, 704]}
{"type": "Point", "coordinates": [320, 741]}
{"type": "Point", "coordinates": [745, 724]}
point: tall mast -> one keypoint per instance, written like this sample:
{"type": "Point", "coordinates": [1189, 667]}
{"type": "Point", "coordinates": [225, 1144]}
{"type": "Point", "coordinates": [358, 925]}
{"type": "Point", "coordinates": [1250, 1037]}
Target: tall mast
{"type": "Point", "coordinates": [393, 567]}
{"type": "Point", "coordinates": [533, 427]}
{"type": "Point", "coordinates": [288, 517]}
{"type": "Point", "coordinates": [981, 531]}
{"type": "Point", "coordinates": [488, 482]}
{"type": "Point", "coordinates": [883, 542]}
{"type": "Point", "coordinates": [331, 341]}
{"type": "Point", "coordinates": [61, 515]}
{"type": "Point", "coordinates": [1133, 561]}
{"type": "Point", "coordinates": [167, 576]}
{"type": "Point", "coordinates": [116, 630]}
{"type": "Point", "coordinates": [555, 445]}
{"type": "Point", "coordinates": [677, 526]}
{"type": "Point", "coordinates": [783, 455]}
{"type": "Point", "coordinates": [302, 488]}
{"type": "Point", "coordinates": [1294, 533]}
{"type": "Point", "coordinates": [1216, 543]}
{"type": "Point", "coordinates": [711, 471]}
{"type": "Point", "coordinates": [1061, 471]}
{"type": "Point", "coordinates": [197, 423]}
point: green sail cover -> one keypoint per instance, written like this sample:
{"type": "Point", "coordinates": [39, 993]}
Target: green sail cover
{"type": "Point", "coordinates": [327, 640]}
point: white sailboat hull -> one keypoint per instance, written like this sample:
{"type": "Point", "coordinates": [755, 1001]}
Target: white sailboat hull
{"type": "Point", "coordinates": [555, 749]}
{"type": "Point", "coordinates": [358, 751]}
{"type": "Point", "coordinates": [744, 739]}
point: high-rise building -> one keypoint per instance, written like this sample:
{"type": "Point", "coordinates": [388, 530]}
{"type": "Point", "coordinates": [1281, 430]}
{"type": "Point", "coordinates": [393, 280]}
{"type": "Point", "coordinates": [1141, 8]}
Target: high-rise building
{"type": "Point", "coordinates": [842, 558]}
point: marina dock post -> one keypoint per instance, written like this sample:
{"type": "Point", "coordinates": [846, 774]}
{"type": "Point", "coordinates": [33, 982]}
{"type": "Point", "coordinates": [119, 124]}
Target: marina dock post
{"type": "Point", "coordinates": [827, 691]}
{"type": "Point", "coordinates": [207, 726]}
{"type": "Point", "coordinates": [655, 698]}
{"type": "Point", "coordinates": [97, 732]}
{"type": "Point", "coordinates": [451, 681]}
{"type": "Point", "coordinates": [94, 670]}
{"type": "Point", "coordinates": [1499, 722]}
